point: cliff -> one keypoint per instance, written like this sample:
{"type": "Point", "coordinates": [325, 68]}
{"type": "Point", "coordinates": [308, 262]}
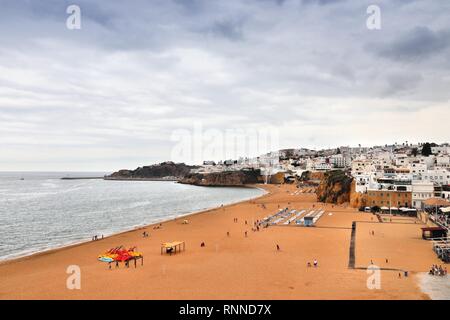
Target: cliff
{"type": "Point", "coordinates": [357, 200]}
{"type": "Point", "coordinates": [311, 176]}
{"type": "Point", "coordinates": [334, 187]}
{"type": "Point", "coordinates": [157, 171]}
{"type": "Point", "coordinates": [226, 178]}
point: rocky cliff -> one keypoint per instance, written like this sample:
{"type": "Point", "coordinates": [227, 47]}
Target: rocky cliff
{"type": "Point", "coordinates": [226, 178]}
{"type": "Point", "coordinates": [357, 200]}
{"type": "Point", "coordinates": [159, 171]}
{"type": "Point", "coordinates": [334, 187]}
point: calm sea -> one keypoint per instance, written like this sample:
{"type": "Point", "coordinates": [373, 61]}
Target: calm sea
{"type": "Point", "coordinates": [39, 211]}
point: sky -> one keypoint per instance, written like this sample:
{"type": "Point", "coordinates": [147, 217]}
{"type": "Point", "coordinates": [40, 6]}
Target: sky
{"type": "Point", "coordinates": [147, 81]}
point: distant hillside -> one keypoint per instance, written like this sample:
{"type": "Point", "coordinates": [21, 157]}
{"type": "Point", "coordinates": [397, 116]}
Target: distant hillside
{"type": "Point", "coordinates": [226, 178]}
{"type": "Point", "coordinates": [334, 187]}
{"type": "Point", "coordinates": [162, 170]}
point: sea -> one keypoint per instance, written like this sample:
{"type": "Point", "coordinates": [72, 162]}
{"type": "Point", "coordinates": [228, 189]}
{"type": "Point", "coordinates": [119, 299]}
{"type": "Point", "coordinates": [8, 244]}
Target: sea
{"type": "Point", "coordinates": [40, 211]}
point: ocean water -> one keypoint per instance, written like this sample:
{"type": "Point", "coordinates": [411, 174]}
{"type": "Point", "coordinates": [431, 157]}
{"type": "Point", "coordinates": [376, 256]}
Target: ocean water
{"type": "Point", "coordinates": [42, 211]}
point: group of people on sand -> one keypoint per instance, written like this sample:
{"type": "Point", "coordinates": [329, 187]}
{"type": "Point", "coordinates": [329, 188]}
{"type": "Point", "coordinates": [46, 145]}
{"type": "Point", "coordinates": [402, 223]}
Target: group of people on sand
{"type": "Point", "coordinates": [256, 225]}
{"type": "Point", "coordinates": [145, 234]}
{"type": "Point", "coordinates": [315, 263]}
{"type": "Point", "coordinates": [437, 270]}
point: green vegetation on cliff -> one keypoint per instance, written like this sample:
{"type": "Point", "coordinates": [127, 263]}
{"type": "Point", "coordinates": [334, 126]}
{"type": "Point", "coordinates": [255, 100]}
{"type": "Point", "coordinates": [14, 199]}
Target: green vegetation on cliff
{"type": "Point", "coordinates": [161, 170]}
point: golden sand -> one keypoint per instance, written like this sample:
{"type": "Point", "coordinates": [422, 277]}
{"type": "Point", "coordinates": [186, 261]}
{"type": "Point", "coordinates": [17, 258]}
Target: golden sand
{"type": "Point", "coordinates": [235, 266]}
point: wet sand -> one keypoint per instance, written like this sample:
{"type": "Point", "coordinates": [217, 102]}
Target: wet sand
{"type": "Point", "coordinates": [238, 267]}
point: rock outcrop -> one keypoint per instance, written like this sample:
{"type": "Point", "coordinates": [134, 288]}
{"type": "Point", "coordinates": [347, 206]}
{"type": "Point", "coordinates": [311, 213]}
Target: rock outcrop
{"type": "Point", "coordinates": [162, 170]}
{"type": "Point", "coordinates": [226, 178]}
{"type": "Point", "coordinates": [357, 200]}
{"type": "Point", "coordinates": [335, 187]}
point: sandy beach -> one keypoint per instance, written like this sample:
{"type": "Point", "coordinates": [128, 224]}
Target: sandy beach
{"type": "Point", "coordinates": [236, 266]}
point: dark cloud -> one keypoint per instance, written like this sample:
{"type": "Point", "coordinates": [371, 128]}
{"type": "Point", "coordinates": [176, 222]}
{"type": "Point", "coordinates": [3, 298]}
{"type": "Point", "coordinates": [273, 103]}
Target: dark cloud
{"type": "Point", "coordinates": [401, 83]}
{"type": "Point", "coordinates": [229, 29]}
{"type": "Point", "coordinates": [417, 44]}
{"type": "Point", "coordinates": [322, 2]}
{"type": "Point", "coordinates": [138, 71]}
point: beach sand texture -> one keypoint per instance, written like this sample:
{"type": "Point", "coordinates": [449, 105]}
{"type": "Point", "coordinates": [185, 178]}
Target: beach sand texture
{"type": "Point", "coordinates": [235, 266]}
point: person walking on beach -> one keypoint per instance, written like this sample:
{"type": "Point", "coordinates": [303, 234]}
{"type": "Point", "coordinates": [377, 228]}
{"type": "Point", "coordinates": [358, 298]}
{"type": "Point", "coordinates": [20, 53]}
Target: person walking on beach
{"type": "Point", "coordinates": [246, 234]}
{"type": "Point", "coordinates": [228, 233]}
{"type": "Point", "coordinates": [278, 247]}
{"type": "Point", "coordinates": [316, 263]}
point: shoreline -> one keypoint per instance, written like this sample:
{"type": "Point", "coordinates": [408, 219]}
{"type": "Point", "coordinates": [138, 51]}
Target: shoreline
{"type": "Point", "coordinates": [132, 229]}
{"type": "Point", "coordinates": [140, 179]}
{"type": "Point", "coordinates": [242, 263]}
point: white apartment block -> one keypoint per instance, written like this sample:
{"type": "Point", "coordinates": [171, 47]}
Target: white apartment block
{"type": "Point", "coordinates": [421, 191]}
{"type": "Point", "coordinates": [322, 166]}
{"type": "Point", "coordinates": [443, 161]}
{"type": "Point", "coordinates": [338, 161]}
{"type": "Point", "coordinates": [439, 176]}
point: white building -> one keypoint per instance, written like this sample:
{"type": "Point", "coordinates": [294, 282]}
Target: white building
{"type": "Point", "coordinates": [439, 176]}
{"type": "Point", "coordinates": [446, 195]}
{"type": "Point", "coordinates": [323, 166]}
{"type": "Point", "coordinates": [360, 167]}
{"type": "Point", "coordinates": [338, 161]}
{"type": "Point", "coordinates": [417, 169]}
{"type": "Point", "coordinates": [401, 160]}
{"type": "Point", "coordinates": [421, 191]}
{"type": "Point", "coordinates": [443, 161]}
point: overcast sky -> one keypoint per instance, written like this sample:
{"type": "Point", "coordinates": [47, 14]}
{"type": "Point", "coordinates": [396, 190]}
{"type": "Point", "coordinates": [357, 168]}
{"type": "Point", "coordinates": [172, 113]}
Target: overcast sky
{"type": "Point", "coordinates": [112, 94]}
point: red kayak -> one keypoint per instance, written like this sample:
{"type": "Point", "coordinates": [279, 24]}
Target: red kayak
{"type": "Point", "coordinates": [123, 255]}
